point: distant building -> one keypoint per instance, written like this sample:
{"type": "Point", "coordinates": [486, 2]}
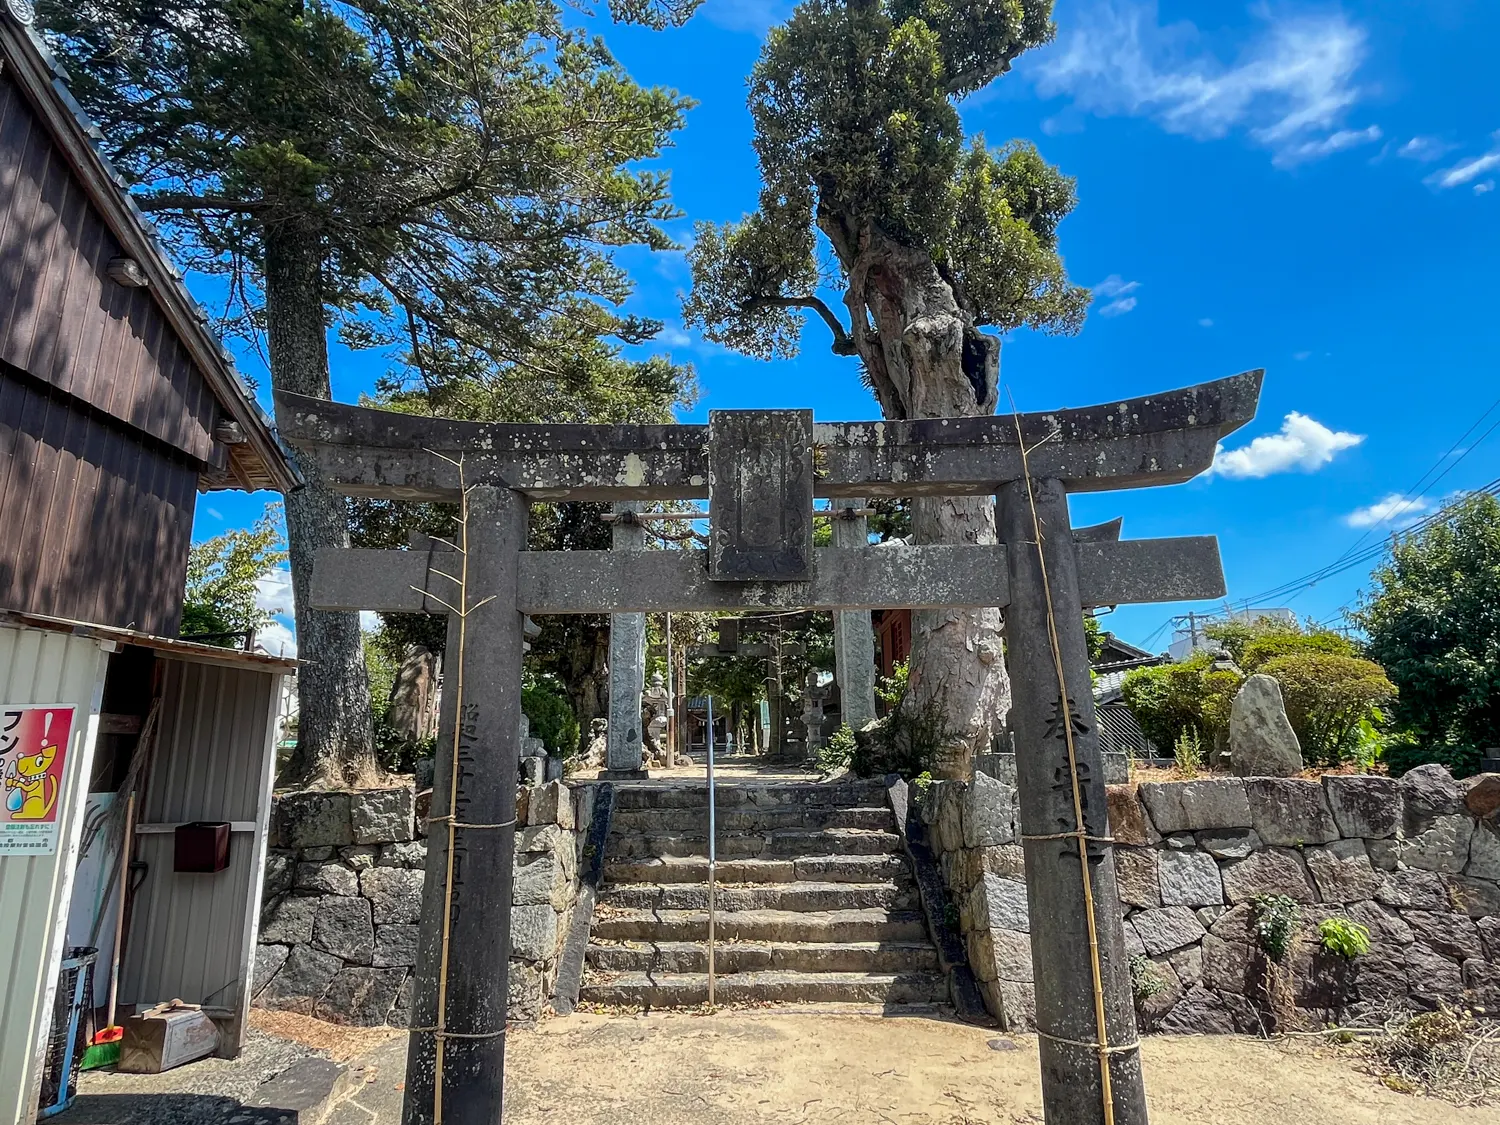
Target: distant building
{"type": "Point", "coordinates": [1190, 634]}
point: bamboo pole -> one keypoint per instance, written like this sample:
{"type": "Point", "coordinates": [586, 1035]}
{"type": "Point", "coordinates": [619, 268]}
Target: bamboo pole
{"type": "Point", "coordinates": [712, 852]}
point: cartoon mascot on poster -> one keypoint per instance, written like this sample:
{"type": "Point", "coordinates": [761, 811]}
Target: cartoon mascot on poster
{"type": "Point", "coordinates": [31, 787]}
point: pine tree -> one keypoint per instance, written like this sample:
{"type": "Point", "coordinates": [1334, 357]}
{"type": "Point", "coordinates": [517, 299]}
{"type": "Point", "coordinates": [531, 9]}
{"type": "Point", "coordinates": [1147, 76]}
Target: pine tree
{"type": "Point", "coordinates": [933, 238]}
{"type": "Point", "coordinates": [450, 174]}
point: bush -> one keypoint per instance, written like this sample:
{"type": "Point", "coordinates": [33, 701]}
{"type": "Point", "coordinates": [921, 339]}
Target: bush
{"type": "Point", "coordinates": [1327, 697]}
{"type": "Point", "coordinates": [838, 751]}
{"type": "Point", "coordinates": [905, 742]}
{"type": "Point", "coordinates": [1269, 647]}
{"type": "Point", "coordinates": [1343, 937]}
{"type": "Point", "coordinates": [1172, 698]}
{"type": "Point", "coordinates": [551, 716]}
{"type": "Point", "coordinates": [1433, 622]}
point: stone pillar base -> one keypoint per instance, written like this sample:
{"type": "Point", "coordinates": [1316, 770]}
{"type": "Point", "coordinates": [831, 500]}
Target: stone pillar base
{"type": "Point", "coordinates": [624, 775]}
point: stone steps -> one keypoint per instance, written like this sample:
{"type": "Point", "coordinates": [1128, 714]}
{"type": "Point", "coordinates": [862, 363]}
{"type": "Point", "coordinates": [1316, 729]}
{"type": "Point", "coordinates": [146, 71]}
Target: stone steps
{"type": "Point", "coordinates": [781, 956]}
{"type": "Point", "coordinates": [760, 925]}
{"type": "Point", "coordinates": [694, 869]}
{"type": "Point", "coordinates": [815, 901]}
{"type": "Point", "coordinates": [681, 990]}
{"type": "Point", "coordinates": [802, 895]}
{"type": "Point", "coordinates": [782, 843]}
{"type": "Point", "coordinates": [843, 794]}
{"type": "Point", "coordinates": [751, 818]}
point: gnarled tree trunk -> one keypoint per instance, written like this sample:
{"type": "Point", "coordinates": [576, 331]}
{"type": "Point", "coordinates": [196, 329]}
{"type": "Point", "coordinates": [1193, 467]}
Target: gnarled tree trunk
{"type": "Point", "coordinates": [335, 742]}
{"type": "Point", "coordinates": [926, 359]}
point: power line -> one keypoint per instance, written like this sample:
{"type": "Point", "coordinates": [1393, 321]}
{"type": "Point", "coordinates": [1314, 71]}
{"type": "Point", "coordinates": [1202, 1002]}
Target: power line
{"type": "Point", "coordinates": [1348, 562]}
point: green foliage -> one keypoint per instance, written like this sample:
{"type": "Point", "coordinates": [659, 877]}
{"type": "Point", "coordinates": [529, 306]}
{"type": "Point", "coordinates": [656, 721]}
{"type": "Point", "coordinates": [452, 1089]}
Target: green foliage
{"type": "Point", "coordinates": [1146, 978]}
{"type": "Point", "coordinates": [1094, 637]}
{"type": "Point", "coordinates": [858, 137]}
{"type": "Point", "coordinates": [1274, 918]}
{"type": "Point", "coordinates": [908, 741]}
{"type": "Point", "coordinates": [1236, 634]}
{"type": "Point", "coordinates": [890, 690]}
{"type": "Point", "coordinates": [1344, 937]}
{"type": "Point", "coordinates": [1188, 752]}
{"type": "Point", "coordinates": [551, 715]}
{"type": "Point", "coordinates": [922, 783]}
{"type": "Point", "coordinates": [1172, 698]}
{"type": "Point", "coordinates": [1271, 646]}
{"type": "Point", "coordinates": [1327, 697]}
{"type": "Point", "coordinates": [221, 577]}
{"type": "Point", "coordinates": [465, 171]}
{"type": "Point", "coordinates": [838, 752]}
{"type": "Point", "coordinates": [1432, 619]}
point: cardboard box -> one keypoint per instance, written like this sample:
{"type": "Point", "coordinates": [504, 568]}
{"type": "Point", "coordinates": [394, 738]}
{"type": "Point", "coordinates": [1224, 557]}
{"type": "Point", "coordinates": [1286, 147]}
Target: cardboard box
{"type": "Point", "coordinates": [167, 1035]}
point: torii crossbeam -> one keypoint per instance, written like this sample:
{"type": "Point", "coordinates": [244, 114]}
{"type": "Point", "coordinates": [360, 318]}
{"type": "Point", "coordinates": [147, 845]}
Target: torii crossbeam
{"type": "Point", "coordinates": [760, 471]}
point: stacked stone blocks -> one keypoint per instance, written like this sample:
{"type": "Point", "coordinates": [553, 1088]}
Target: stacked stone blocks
{"type": "Point", "coordinates": [343, 898]}
{"type": "Point", "coordinates": [1414, 860]}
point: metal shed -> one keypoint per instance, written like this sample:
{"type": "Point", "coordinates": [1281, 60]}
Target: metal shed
{"type": "Point", "coordinates": [209, 755]}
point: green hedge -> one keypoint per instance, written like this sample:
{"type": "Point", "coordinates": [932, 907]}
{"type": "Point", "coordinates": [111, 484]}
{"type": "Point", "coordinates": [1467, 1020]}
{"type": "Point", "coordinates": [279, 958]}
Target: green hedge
{"type": "Point", "coordinates": [551, 715]}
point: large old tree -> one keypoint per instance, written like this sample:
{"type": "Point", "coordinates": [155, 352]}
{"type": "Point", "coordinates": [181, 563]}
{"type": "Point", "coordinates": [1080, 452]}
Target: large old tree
{"type": "Point", "coordinates": [449, 175]}
{"type": "Point", "coordinates": [932, 239]}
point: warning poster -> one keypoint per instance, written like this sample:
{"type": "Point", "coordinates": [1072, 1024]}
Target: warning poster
{"type": "Point", "coordinates": [33, 745]}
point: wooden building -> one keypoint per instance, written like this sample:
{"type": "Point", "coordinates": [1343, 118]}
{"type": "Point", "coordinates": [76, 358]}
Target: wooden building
{"type": "Point", "coordinates": [117, 407]}
{"type": "Point", "coordinates": [117, 404]}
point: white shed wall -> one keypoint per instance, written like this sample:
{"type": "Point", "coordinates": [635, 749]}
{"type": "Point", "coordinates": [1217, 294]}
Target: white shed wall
{"type": "Point", "coordinates": [39, 666]}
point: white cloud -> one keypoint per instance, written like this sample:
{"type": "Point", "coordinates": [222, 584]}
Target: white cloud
{"type": "Point", "coordinates": [1393, 509]}
{"type": "Point", "coordinates": [1300, 356]}
{"type": "Point", "coordinates": [1289, 89]}
{"type": "Point", "coordinates": [1466, 171]}
{"type": "Point", "coordinates": [369, 620]}
{"type": "Point", "coordinates": [215, 513]}
{"type": "Point", "coordinates": [276, 639]}
{"type": "Point", "coordinates": [1484, 187]}
{"type": "Point", "coordinates": [674, 337]}
{"type": "Point", "coordinates": [1206, 322]}
{"type": "Point", "coordinates": [1303, 443]}
{"type": "Point", "coordinates": [1334, 142]}
{"type": "Point", "coordinates": [1425, 148]}
{"type": "Point", "coordinates": [273, 591]}
{"type": "Point", "coordinates": [1118, 288]}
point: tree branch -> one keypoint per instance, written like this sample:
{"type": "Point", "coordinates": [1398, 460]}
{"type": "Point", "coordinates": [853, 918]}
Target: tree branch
{"type": "Point", "coordinates": [174, 201]}
{"type": "Point", "coordinates": [843, 344]}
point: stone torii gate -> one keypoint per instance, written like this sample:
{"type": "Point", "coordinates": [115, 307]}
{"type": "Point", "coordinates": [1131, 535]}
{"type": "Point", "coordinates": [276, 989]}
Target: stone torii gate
{"type": "Point", "coordinates": [761, 471]}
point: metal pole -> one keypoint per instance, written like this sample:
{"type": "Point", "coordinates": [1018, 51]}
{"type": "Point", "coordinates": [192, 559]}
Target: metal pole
{"type": "Point", "coordinates": [712, 854]}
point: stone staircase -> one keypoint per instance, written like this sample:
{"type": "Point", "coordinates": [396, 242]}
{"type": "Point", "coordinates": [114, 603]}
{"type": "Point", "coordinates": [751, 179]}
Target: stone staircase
{"type": "Point", "coordinates": [815, 901]}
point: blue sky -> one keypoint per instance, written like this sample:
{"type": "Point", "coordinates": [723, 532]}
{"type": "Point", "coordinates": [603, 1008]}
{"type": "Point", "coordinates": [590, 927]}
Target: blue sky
{"type": "Point", "coordinates": [1307, 188]}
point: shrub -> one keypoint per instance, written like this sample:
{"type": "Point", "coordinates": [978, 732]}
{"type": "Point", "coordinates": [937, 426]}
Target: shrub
{"type": "Point", "coordinates": [1171, 698]}
{"type": "Point", "coordinates": [1188, 752]}
{"type": "Point", "coordinates": [1343, 937]}
{"type": "Point", "coordinates": [908, 742]}
{"type": "Point", "coordinates": [1293, 643]}
{"type": "Point", "coordinates": [838, 751]}
{"type": "Point", "coordinates": [1327, 696]}
{"type": "Point", "coordinates": [1274, 917]}
{"type": "Point", "coordinates": [1432, 622]}
{"type": "Point", "coordinates": [551, 716]}
{"type": "Point", "coordinates": [1146, 979]}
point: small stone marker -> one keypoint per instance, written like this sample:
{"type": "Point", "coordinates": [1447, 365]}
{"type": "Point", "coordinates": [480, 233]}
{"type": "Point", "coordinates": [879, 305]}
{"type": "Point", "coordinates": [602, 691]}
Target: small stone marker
{"type": "Point", "coordinates": [627, 662]}
{"type": "Point", "coordinates": [1261, 740]}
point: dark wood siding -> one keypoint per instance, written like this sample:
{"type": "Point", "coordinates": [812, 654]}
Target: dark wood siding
{"type": "Point", "coordinates": [63, 320]}
{"type": "Point", "coordinates": [96, 519]}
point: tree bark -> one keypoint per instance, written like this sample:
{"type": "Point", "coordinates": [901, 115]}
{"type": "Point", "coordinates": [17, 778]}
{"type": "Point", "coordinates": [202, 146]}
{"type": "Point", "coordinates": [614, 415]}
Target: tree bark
{"type": "Point", "coordinates": [335, 742]}
{"type": "Point", "coordinates": [926, 359]}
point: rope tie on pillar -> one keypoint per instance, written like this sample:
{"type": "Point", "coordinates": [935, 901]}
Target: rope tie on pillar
{"type": "Point", "coordinates": [1080, 833]}
{"type": "Point", "coordinates": [448, 820]}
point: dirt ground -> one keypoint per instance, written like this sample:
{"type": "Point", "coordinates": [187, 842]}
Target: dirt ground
{"type": "Point", "coordinates": [739, 1068]}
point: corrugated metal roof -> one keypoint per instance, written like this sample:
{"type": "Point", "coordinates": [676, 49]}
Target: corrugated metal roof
{"type": "Point", "coordinates": [186, 650]}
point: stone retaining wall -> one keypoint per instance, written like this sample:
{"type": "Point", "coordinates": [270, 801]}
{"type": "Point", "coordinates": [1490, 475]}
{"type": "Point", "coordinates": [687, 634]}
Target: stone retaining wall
{"type": "Point", "coordinates": [1416, 861]}
{"type": "Point", "coordinates": [343, 897]}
